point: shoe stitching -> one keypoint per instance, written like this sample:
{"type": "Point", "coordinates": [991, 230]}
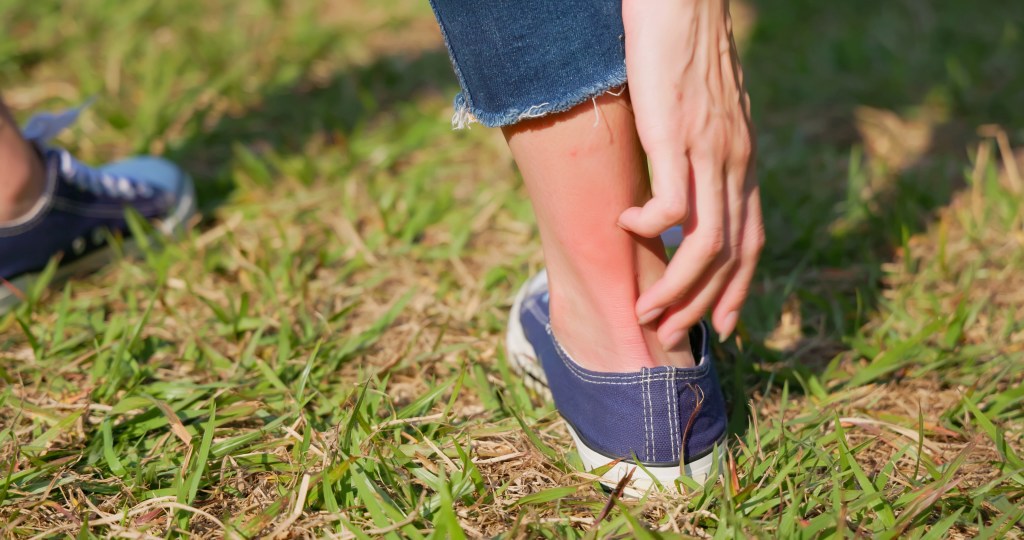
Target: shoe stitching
{"type": "Point", "coordinates": [644, 379]}
{"type": "Point", "coordinates": [668, 405]}
{"type": "Point", "coordinates": [678, 412]}
{"type": "Point", "coordinates": [678, 421]}
{"type": "Point", "coordinates": [653, 453]}
{"type": "Point", "coordinates": [650, 419]}
{"type": "Point", "coordinates": [702, 370]}
{"type": "Point", "coordinates": [672, 427]}
{"type": "Point", "coordinates": [654, 419]}
{"type": "Point", "coordinates": [654, 430]}
{"type": "Point", "coordinates": [41, 212]}
{"type": "Point", "coordinates": [643, 403]}
{"type": "Point", "coordinates": [648, 429]}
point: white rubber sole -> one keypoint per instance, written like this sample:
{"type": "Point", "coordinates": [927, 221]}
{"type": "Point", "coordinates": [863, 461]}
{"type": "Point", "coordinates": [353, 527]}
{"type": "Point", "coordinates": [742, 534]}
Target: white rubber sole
{"type": "Point", "coordinates": [169, 226]}
{"type": "Point", "coordinates": [518, 350]}
{"type": "Point", "coordinates": [523, 360]}
{"type": "Point", "coordinates": [175, 223]}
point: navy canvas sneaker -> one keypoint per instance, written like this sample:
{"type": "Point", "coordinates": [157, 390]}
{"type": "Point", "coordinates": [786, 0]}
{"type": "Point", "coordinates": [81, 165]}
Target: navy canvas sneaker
{"type": "Point", "coordinates": [81, 205]}
{"type": "Point", "coordinates": [671, 420]}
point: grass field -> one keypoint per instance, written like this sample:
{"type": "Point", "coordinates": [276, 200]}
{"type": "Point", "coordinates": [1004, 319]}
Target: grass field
{"type": "Point", "coordinates": [321, 355]}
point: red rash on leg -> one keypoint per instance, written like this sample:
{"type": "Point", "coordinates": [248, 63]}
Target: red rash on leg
{"type": "Point", "coordinates": [580, 177]}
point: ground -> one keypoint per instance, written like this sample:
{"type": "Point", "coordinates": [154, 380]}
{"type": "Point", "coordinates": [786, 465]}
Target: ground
{"type": "Point", "coordinates": [322, 354]}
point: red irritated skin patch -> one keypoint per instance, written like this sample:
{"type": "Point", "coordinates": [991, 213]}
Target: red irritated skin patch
{"type": "Point", "coordinates": [582, 169]}
{"type": "Point", "coordinates": [338, 314]}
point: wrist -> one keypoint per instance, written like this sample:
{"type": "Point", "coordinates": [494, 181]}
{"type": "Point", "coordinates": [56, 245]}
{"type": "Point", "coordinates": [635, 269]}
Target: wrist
{"type": "Point", "coordinates": [700, 19]}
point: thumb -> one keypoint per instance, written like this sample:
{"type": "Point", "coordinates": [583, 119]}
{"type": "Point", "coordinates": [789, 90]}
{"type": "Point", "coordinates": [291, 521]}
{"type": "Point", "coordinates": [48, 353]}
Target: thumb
{"type": "Point", "coordinates": [669, 205]}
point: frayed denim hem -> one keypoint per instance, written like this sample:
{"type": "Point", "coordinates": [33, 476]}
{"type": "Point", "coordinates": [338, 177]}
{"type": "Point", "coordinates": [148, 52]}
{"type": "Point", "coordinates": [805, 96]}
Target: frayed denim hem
{"type": "Point", "coordinates": [466, 114]}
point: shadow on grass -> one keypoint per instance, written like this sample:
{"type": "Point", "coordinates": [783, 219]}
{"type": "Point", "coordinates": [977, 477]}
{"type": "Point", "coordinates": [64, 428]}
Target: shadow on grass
{"type": "Point", "coordinates": [285, 119]}
{"type": "Point", "coordinates": [866, 113]}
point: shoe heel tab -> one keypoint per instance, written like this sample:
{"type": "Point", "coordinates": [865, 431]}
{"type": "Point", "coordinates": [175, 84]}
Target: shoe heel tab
{"type": "Point", "coordinates": [45, 126]}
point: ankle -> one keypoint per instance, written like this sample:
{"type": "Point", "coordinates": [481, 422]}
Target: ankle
{"type": "Point", "coordinates": [680, 356]}
{"type": "Point", "coordinates": [596, 346]}
{"type": "Point", "coordinates": [23, 186]}
{"type": "Point", "coordinates": [602, 337]}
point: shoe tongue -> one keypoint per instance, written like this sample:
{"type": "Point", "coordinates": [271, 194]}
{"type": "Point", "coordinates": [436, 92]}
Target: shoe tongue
{"type": "Point", "coordinates": [45, 126]}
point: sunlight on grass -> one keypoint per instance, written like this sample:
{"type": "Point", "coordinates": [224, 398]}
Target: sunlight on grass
{"type": "Point", "coordinates": [322, 354]}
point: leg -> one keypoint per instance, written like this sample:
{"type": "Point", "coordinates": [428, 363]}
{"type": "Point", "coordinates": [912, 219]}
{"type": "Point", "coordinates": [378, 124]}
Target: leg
{"type": "Point", "coordinates": [580, 177]}
{"type": "Point", "coordinates": [21, 178]}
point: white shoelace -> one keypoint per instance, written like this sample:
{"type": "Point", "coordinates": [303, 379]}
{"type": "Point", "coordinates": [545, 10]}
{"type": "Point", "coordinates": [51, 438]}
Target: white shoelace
{"type": "Point", "coordinates": [45, 126]}
{"type": "Point", "coordinates": [98, 182]}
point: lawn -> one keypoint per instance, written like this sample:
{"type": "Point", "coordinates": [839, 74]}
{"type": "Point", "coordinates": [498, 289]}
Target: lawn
{"type": "Point", "coordinates": [321, 356]}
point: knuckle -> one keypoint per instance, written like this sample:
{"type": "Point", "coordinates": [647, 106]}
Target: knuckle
{"type": "Point", "coordinates": [673, 210]}
{"type": "Point", "coordinates": [677, 297]}
{"type": "Point", "coordinates": [670, 298]}
{"type": "Point", "coordinates": [713, 244]}
{"type": "Point", "coordinates": [735, 244]}
{"type": "Point", "coordinates": [757, 239]}
{"type": "Point", "coordinates": [743, 150]}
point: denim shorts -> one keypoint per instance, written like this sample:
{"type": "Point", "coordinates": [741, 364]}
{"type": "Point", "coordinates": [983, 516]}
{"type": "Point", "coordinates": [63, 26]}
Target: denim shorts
{"type": "Point", "coordinates": [520, 59]}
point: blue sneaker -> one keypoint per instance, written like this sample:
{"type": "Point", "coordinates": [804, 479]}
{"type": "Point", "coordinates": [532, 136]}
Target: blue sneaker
{"type": "Point", "coordinates": [80, 205]}
{"type": "Point", "coordinates": [671, 420]}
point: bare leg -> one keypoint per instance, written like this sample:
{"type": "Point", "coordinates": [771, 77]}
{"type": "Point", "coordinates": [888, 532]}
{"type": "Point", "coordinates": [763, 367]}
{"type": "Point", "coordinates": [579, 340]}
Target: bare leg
{"type": "Point", "coordinates": [21, 172]}
{"type": "Point", "coordinates": [580, 177]}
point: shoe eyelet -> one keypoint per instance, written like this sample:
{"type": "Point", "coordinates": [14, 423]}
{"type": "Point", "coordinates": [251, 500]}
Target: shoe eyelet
{"type": "Point", "coordinates": [78, 245]}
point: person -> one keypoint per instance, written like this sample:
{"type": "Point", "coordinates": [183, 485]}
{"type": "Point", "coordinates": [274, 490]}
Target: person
{"type": "Point", "coordinates": [52, 205]}
{"type": "Point", "coordinates": [591, 95]}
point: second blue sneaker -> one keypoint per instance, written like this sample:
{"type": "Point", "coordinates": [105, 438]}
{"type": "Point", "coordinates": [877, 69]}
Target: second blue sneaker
{"type": "Point", "coordinates": [670, 420]}
{"type": "Point", "coordinates": [81, 205]}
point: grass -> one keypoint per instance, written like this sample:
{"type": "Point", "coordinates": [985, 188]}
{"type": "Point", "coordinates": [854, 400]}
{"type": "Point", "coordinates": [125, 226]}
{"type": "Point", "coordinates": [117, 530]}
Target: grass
{"type": "Point", "coordinates": [322, 354]}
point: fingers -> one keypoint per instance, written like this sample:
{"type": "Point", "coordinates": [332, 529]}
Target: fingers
{"type": "Point", "coordinates": [721, 279]}
{"type": "Point", "coordinates": [685, 314]}
{"type": "Point", "coordinates": [726, 311]}
{"type": "Point", "coordinates": [670, 204]}
{"type": "Point", "coordinates": [726, 289]}
{"type": "Point", "coordinates": [704, 242]}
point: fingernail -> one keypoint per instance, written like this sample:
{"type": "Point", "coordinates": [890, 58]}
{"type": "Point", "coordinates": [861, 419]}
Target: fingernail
{"type": "Point", "coordinates": [674, 339]}
{"type": "Point", "coordinates": [728, 325]}
{"type": "Point", "coordinates": [650, 316]}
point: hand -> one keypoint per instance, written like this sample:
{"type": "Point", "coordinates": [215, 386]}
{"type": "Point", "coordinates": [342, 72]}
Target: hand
{"type": "Point", "coordinates": [692, 116]}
